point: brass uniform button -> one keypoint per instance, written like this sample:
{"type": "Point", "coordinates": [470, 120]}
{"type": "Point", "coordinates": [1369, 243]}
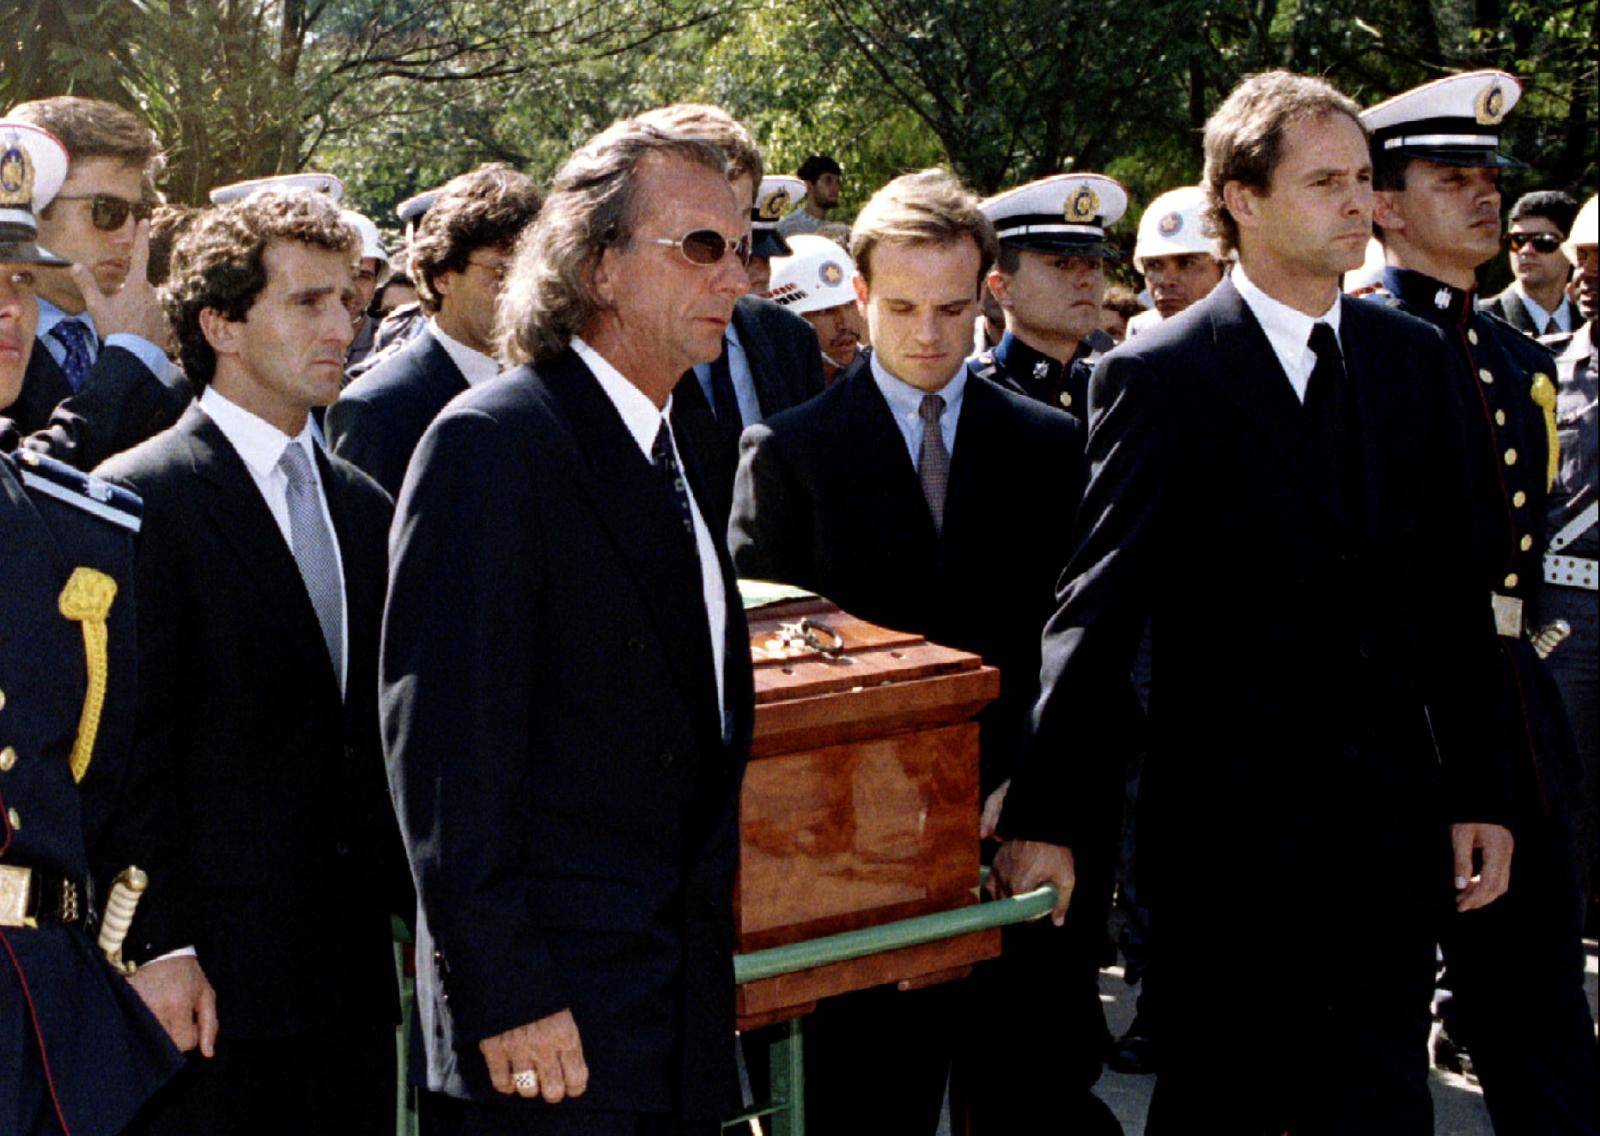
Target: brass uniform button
{"type": "Point", "coordinates": [8, 759]}
{"type": "Point", "coordinates": [1512, 580]}
{"type": "Point", "coordinates": [1525, 543]}
{"type": "Point", "coordinates": [1472, 337]}
{"type": "Point", "coordinates": [1519, 498]}
{"type": "Point", "coordinates": [1511, 457]}
{"type": "Point", "coordinates": [1485, 375]}
{"type": "Point", "coordinates": [1066, 399]}
{"type": "Point", "coordinates": [2, 700]}
{"type": "Point", "coordinates": [15, 818]}
{"type": "Point", "coordinates": [1499, 418]}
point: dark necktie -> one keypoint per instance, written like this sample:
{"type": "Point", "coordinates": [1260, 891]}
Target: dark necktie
{"type": "Point", "coordinates": [664, 457]}
{"type": "Point", "coordinates": [1552, 327]}
{"type": "Point", "coordinates": [75, 337]}
{"type": "Point", "coordinates": [313, 549]}
{"type": "Point", "coordinates": [724, 402]}
{"type": "Point", "coordinates": [1328, 407]}
{"type": "Point", "coordinates": [933, 467]}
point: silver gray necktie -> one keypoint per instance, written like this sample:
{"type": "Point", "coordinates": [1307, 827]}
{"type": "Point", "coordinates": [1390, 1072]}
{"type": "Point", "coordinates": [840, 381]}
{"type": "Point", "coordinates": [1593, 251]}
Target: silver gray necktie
{"type": "Point", "coordinates": [933, 468]}
{"type": "Point", "coordinates": [313, 549]}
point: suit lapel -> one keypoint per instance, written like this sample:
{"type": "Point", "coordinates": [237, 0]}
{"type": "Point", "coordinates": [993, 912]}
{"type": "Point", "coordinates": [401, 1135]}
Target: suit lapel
{"type": "Point", "coordinates": [765, 374]}
{"type": "Point", "coordinates": [363, 601]}
{"type": "Point", "coordinates": [439, 371]}
{"type": "Point", "coordinates": [967, 495]}
{"type": "Point", "coordinates": [874, 441]}
{"type": "Point", "coordinates": [44, 385]}
{"type": "Point", "coordinates": [1255, 381]}
{"type": "Point", "coordinates": [247, 525]}
{"type": "Point", "coordinates": [641, 518]}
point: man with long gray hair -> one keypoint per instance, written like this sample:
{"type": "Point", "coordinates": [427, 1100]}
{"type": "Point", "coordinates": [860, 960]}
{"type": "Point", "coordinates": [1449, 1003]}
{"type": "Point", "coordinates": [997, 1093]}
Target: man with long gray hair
{"type": "Point", "coordinates": [566, 685]}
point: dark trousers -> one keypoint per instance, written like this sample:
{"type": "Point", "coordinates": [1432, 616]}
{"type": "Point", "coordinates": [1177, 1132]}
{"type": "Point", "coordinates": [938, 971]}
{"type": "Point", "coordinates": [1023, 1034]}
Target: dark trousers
{"type": "Point", "coordinates": [338, 1081]}
{"type": "Point", "coordinates": [440, 1115]}
{"type": "Point", "coordinates": [1518, 1002]}
{"type": "Point", "coordinates": [1575, 667]}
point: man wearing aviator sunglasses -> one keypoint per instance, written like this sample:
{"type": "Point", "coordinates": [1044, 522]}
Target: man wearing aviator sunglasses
{"type": "Point", "coordinates": [1536, 303]}
{"type": "Point", "coordinates": [99, 318]}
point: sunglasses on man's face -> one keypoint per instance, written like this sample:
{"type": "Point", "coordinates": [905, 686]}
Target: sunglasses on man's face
{"type": "Point", "coordinates": [707, 246]}
{"type": "Point", "coordinates": [108, 213]}
{"type": "Point", "coordinates": [1541, 242]}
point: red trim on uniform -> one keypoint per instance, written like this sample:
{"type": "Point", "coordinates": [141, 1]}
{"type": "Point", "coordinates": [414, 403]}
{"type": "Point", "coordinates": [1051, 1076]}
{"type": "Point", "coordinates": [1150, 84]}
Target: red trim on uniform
{"type": "Point", "coordinates": [33, 1016]}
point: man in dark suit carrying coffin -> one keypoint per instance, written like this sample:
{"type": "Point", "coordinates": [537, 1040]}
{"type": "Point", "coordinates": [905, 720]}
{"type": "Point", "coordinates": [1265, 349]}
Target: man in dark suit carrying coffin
{"type": "Point", "coordinates": [908, 493]}
{"type": "Point", "coordinates": [260, 588]}
{"type": "Point", "coordinates": [567, 694]}
{"type": "Point", "coordinates": [1276, 485]}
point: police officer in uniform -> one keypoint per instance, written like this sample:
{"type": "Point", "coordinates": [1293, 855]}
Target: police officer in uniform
{"type": "Point", "coordinates": [1571, 594]}
{"type": "Point", "coordinates": [1516, 968]}
{"type": "Point", "coordinates": [78, 1050]}
{"type": "Point", "coordinates": [1049, 280]}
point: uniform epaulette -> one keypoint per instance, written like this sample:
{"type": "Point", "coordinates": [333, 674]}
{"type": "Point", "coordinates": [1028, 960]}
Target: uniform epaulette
{"type": "Point", "coordinates": [54, 479]}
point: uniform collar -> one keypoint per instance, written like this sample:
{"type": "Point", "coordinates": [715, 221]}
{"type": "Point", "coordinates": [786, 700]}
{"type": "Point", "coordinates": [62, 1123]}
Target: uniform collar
{"type": "Point", "coordinates": [1018, 358]}
{"type": "Point", "coordinates": [1432, 298]}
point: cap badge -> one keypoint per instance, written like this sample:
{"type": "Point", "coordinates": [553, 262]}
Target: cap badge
{"type": "Point", "coordinates": [830, 273]}
{"type": "Point", "coordinates": [1083, 205]}
{"type": "Point", "coordinates": [1170, 224]}
{"type": "Point", "coordinates": [16, 177]}
{"type": "Point", "coordinates": [1491, 105]}
{"type": "Point", "coordinates": [772, 205]}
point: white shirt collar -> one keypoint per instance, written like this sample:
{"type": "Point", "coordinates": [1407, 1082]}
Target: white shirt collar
{"type": "Point", "coordinates": [1541, 317]}
{"type": "Point", "coordinates": [1277, 317]}
{"type": "Point", "coordinates": [475, 366]}
{"type": "Point", "coordinates": [638, 413]}
{"type": "Point", "coordinates": [259, 442]}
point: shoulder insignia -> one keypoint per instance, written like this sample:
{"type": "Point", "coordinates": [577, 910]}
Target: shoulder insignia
{"type": "Point", "coordinates": [1543, 392]}
{"type": "Point", "coordinates": [54, 479]}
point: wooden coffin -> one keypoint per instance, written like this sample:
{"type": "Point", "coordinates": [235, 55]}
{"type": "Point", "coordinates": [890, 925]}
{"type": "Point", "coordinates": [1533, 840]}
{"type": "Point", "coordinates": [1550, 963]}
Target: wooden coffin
{"type": "Point", "coordinates": [860, 804]}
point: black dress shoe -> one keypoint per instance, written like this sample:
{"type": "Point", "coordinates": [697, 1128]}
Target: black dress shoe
{"type": "Point", "coordinates": [1134, 1052]}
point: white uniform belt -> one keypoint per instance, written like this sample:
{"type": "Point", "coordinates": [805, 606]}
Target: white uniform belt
{"type": "Point", "coordinates": [1572, 572]}
{"type": "Point", "coordinates": [1576, 527]}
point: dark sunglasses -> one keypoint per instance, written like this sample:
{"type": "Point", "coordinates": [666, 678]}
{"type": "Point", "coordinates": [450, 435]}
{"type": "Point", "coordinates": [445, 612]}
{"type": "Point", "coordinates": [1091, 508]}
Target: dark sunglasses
{"type": "Point", "coordinates": [707, 246]}
{"type": "Point", "coordinates": [1541, 242]}
{"type": "Point", "coordinates": [109, 213]}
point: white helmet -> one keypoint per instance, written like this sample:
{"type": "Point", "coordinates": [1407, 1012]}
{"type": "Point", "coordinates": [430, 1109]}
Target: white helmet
{"type": "Point", "coordinates": [371, 242]}
{"type": "Point", "coordinates": [1172, 226]}
{"type": "Point", "coordinates": [818, 276]}
{"type": "Point", "coordinates": [1584, 230]}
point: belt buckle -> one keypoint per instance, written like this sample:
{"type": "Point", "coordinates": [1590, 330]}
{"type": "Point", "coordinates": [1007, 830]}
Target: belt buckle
{"type": "Point", "coordinates": [1507, 615]}
{"type": "Point", "coordinates": [14, 887]}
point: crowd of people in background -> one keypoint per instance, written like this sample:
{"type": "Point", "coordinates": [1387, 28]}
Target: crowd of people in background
{"type": "Point", "coordinates": [404, 576]}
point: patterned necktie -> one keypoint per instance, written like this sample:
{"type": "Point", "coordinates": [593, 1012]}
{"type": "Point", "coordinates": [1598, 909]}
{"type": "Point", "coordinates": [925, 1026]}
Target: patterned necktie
{"type": "Point", "coordinates": [75, 337]}
{"type": "Point", "coordinates": [665, 458]}
{"type": "Point", "coordinates": [933, 468]}
{"type": "Point", "coordinates": [313, 549]}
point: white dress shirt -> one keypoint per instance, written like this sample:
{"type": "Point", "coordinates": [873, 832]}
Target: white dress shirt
{"type": "Point", "coordinates": [644, 422]}
{"type": "Point", "coordinates": [475, 366]}
{"type": "Point", "coordinates": [905, 403]}
{"type": "Point", "coordinates": [1288, 330]}
{"type": "Point", "coordinates": [260, 444]}
{"type": "Point", "coordinates": [1541, 318]}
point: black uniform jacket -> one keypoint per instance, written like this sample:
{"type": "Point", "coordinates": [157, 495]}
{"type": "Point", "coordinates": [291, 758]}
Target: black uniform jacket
{"type": "Point", "coordinates": [1323, 693]}
{"type": "Point", "coordinates": [379, 419]}
{"type": "Point", "coordinates": [786, 369]}
{"type": "Point", "coordinates": [103, 1053]}
{"type": "Point", "coordinates": [135, 405]}
{"type": "Point", "coordinates": [828, 499]}
{"type": "Point", "coordinates": [1509, 448]}
{"type": "Point", "coordinates": [567, 797]}
{"type": "Point", "coordinates": [281, 863]}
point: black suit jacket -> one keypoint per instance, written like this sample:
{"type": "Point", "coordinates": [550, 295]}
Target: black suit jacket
{"type": "Point", "coordinates": [828, 499]}
{"type": "Point", "coordinates": [1509, 306]}
{"type": "Point", "coordinates": [549, 706]}
{"type": "Point", "coordinates": [379, 419]}
{"type": "Point", "coordinates": [281, 862]}
{"type": "Point", "coordinates": [786, 369]}
{"type": "Point", "coordinates": [120, 404]}
{"type": "Point", "coordinates": [1304, 681]}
